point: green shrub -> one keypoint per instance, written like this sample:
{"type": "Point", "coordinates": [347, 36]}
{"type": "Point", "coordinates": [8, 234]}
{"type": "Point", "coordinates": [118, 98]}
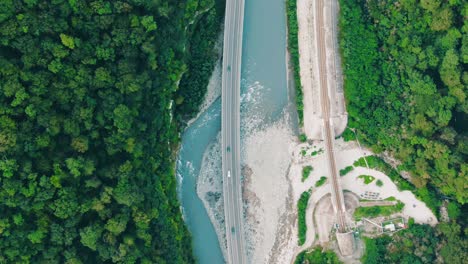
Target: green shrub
{"type": "Point", "coordinates": [302, 137]}
{"type": "Point", "coordinates": [345, 171]}
{"type": "Point", "coordinates": [379, 183]}
{"type": "Point", "coordinates": [316, 152]}
{"type": "Point", "coordinates": [348, 135]}
{"type": "Point", "coordinates": [301, 216]}
{"type": "Point", "coordinates": [429, 197]}
{"type": "Point", "coordinates": [367, 178]}
{"type": "Point", "coordinates": [306, 172]}
{"type": "Point", "coordinates": [317, 256]}
{"type": "Point", "coordinates": [321, 181]}
{"type": "Point", "coordinates": [453, 210]}
{"type": "Point", "coordinates": [293, 47]}
{"type": "Point", "coordinates": [374, 211]}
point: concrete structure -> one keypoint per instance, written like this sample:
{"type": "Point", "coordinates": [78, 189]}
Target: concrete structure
{"type": "Point", "coordinates": [389, 227]}
{"type": "Point", "coordinates": [345, 243]}
{"type": "Point", "coordinates": [230, 129]}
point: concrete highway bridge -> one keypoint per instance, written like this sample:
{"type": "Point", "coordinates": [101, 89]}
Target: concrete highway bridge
{"type": "Point", "coordinates": [230, 130]}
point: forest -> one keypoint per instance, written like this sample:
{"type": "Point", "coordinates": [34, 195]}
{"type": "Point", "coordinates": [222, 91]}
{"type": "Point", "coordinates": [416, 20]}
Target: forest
{"type": "Point", "coordinates": [89, 130]}
{"type": "Point", "coordinates": [418, 244]}
{"type": "Point", "coordinates": [405, 66]}
{"type": "Point", "coordinates": [405, 85]}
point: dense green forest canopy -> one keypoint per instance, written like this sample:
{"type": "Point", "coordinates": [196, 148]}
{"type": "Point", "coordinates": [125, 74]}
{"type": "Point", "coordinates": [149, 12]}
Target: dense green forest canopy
{"type": "Point", "coordinates": [405, 65]}
{"type": "Point", "coordinates": [87, 137]}
{"type": "Point", "coordinates": [417, 245]}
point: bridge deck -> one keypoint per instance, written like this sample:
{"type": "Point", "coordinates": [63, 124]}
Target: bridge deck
{"type": "Point", "coordinates": [230, 129]}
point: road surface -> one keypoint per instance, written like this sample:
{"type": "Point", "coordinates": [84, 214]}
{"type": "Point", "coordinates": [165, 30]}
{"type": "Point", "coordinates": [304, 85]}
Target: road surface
{"type": "Point", "coordinates": [328, 135]}
{"type": "Point", "coordinates": [230, 129]}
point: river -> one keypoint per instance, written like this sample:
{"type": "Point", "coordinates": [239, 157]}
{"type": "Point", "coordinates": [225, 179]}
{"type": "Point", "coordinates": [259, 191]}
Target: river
{"type": "Point", "coordinates": [264, 95]}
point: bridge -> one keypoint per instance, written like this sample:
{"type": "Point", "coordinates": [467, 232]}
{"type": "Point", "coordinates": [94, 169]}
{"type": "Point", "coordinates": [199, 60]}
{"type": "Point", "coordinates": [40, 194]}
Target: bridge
{"type": "Point", "coordinates": [230, 130]}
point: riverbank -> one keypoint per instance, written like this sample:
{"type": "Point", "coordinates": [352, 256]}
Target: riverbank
{"type": "Point", "coordinates": [209, 180]}
{"type": "Point", "coordinates": [213, 91]}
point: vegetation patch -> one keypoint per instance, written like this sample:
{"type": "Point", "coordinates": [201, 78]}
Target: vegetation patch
{"type": "Point", "coordinates": [301, 216]}
{"type": "Point", "coordinates": [306, 172]}
{"type": "Point", "coordinates": [321, 181]}
{"type": "Point", "coordinates": [348, 135]}
{"type": "Point", "coordinates": [318, 256]}
{"type": "Point", "coordinates": [303, 152]}
{"type": "Point", "coordinates": [379, 183]}
{"type": "Point", "coordinates": [317, 152]}
{"type": "Point", "coordinates": [293, 47]}
{"type": "Point", "coordinates": [302, 138]}
{"type": "Point", "coordinates": [417, 244]}
{"type": "Point", "coordinates": [453, 210]}
{"type": "Point", "coordinates": [367, 178]}
{"type": "Point", "coordinates": [346, 170]}
{"type": "Point", "coordinates": [374, 211]}
{"type": "Point", "coordinates": [201, 62]}
{"type": "Point", "coordinates": [391, 198]}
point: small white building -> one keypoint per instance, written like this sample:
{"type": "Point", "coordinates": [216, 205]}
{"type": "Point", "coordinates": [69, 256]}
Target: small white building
{"type": "Point", "coordinates": [389, 227]}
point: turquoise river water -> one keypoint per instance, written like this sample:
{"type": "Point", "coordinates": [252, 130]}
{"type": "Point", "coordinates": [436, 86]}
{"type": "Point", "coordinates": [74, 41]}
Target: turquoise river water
{"type": "Point", "coordinates": [264, 97]}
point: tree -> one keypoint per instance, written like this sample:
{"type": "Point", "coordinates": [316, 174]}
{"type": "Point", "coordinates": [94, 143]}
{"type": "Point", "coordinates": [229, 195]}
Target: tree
{"type": "Point", "coordinates": [448, 70]}
{"type": "Point", "coordinates": [148, 23]}
{"type": "Point", "coordinates": [117, 224]}
{"type": "Point", "coordinates": [67, 41]}
{"type": "Point", "coordinates": [442, 20]}
{"type": "Point", "coordinates": [90, 236]}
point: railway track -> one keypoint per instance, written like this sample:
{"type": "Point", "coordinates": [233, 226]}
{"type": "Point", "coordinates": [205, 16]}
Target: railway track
{"type": "Point", "coordinates": [337, 194]}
